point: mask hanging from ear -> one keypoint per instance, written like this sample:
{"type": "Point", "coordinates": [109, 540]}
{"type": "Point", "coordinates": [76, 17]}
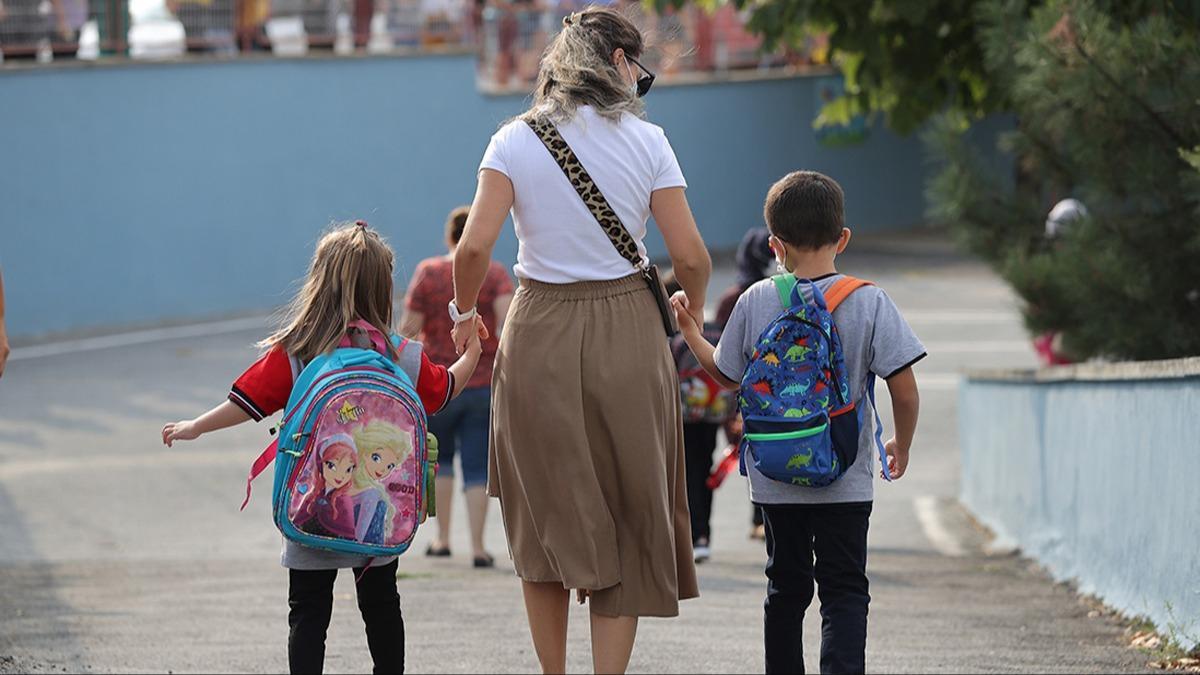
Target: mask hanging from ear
{"type": "Point", "coordinates": [633, 88]}
{"type": "Point", "coordinates": [780, 263]}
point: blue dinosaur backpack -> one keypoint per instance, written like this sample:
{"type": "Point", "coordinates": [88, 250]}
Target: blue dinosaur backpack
{"type": "Point", "coordinates": [800, 426]}
{"type": "Point", "coordinates": [354, 462]}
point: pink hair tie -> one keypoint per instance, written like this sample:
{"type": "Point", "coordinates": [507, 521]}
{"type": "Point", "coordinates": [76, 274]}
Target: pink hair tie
{"type": "Point", "coordinates": [361, 223]}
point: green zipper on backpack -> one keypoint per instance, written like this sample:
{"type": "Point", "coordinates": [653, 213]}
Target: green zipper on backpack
{"type": "Point", "coordinates": [788, 435]}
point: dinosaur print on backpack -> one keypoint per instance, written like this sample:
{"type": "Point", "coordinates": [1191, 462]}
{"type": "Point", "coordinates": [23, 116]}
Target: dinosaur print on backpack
{"type": "Point", "coordinates": [801, 427]}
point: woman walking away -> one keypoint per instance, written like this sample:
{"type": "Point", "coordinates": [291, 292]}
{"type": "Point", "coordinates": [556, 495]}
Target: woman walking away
{"type": "Point", "coordinates": [462, 426]}
{"type": "Point", "coordinates": [586, 443]}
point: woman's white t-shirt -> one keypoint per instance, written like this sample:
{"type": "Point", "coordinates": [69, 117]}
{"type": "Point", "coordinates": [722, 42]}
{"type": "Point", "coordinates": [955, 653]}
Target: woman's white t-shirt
{"type": "Point", "coordinates": [559, 239]}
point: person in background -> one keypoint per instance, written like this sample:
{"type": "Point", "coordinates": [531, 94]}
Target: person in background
{"type": "Point", "coordinates": [363, 11]}
{"type": "Point", "coordinates": [706, 407]}
{"type": "Point", "coordinates": [1049, 345]}
{"type": "Point", "coordinates": [462, 426]}
{"type": "Point", "coordinates": [1062, 216]}
{"type": "Point", "coordinates": [3, 332]}
{"type": "Point", "coordinates": [252, 16]}
{"type": "Point", "coordinates": [508, 26]}
{"type": "Point", "coordinates": [23, 26]}
{"type": "Point", "coordinates": [441, 22]}
{"type": "Point", "coordinates": [754, 261]}
{"type": "Point", "coordinates": [208, 25]}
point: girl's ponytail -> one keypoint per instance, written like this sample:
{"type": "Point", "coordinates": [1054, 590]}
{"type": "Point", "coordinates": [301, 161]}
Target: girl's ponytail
{"type": "Point", "coordinates": [350, 278]}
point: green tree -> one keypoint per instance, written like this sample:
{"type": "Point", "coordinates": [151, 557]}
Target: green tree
{"type": "Point", "coordinates": [1109, 112]}
{"type": "Point", "coordinates": [1105, 95]}
{"type": "Point", "coordinates": [906, 59]}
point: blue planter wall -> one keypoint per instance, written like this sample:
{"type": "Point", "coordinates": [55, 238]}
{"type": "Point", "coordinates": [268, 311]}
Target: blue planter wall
{"type": "Point", "coordinates": [1096, 480]}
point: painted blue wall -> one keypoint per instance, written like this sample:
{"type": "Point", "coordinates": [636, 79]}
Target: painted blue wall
{"type": "Point", "coordinates": [1096, 480]}
{"type": "Point", "coordinates": [145, 193]}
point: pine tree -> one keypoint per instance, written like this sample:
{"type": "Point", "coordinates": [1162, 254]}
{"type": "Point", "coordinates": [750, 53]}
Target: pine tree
{"type": "Point", "coordinates": [1107, 110]}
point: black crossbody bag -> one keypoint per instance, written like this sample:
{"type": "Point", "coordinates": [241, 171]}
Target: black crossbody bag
{"type": "Point", "coordinates": [604, 214]}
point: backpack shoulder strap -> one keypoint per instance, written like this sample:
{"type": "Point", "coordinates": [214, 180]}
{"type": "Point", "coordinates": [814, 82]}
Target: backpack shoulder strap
{"type": "Point", "coordinates": [264, 460]}
{"type": "Point", "coordinates": [841, 289]}
{"type": "Point", "coordinates": [785, 285]}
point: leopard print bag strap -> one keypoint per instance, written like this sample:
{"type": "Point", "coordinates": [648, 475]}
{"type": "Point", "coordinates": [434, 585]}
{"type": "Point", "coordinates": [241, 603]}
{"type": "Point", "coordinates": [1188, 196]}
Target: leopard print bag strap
{"type": "Point", "coordinates": [588, 192]}
{"type": "Point", "coordinates": [565, 157]}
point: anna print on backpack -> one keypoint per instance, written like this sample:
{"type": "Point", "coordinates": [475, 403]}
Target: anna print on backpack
{"type": "Point", "coordinates": [318, 508]}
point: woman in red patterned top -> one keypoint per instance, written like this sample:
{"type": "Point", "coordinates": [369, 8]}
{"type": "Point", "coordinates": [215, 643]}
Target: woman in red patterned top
{"type": "Point", "coordinates": [462, 427]}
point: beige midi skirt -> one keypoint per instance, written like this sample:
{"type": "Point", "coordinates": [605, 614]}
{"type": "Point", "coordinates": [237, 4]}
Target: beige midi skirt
{"type": "Point", "coordinates": [586, 448]}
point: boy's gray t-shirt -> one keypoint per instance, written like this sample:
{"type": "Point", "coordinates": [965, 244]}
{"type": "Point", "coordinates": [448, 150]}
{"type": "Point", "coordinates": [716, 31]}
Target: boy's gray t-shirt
{"type": "Point", "coordinates": [875, 339]}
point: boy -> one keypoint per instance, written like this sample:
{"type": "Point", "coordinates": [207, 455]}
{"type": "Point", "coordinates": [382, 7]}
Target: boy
{"type": "Point", "coordinates": [805, 218]}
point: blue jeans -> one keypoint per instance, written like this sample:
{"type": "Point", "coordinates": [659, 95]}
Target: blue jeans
{"type": "Point", "coordinates": [462, 428]}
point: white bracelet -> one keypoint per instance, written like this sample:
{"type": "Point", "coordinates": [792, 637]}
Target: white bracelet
{"type": "Point", "coordinates": [459, 317]}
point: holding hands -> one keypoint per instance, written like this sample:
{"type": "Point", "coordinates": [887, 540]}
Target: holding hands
{"type": "Point", "coordinates": [688, 319]}
{"type": "Point", "coordinates": [468, 336]}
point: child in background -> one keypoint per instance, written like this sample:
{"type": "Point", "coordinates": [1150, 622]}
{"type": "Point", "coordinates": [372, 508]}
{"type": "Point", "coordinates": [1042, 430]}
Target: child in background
{"type": "Point", "coordinates": [1060, 220]}
{"type": "Point", "coordinates": [706, 407]}
{"type": "Point", "coordinates": [804, 213]}
{"type": "Point", "coordinates": [754, 261]}
{"type": "Point", "coordinates": [350, 279]}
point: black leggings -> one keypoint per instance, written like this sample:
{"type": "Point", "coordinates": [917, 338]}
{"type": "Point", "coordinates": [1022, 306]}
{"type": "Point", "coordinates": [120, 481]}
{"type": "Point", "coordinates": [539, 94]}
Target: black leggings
{"type": "Point", "coordinates": [310, 597]}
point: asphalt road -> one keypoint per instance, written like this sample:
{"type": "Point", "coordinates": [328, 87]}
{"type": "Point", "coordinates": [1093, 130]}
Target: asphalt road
{"type": "Point", "coordinates": [119, 555]}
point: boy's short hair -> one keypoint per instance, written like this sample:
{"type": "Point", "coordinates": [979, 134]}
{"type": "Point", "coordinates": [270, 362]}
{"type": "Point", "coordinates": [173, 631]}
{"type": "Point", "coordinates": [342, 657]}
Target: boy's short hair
{"type": "Point", "coordinates": [456, 222]}
{"type": "Point", "coordinates": [804, 209]}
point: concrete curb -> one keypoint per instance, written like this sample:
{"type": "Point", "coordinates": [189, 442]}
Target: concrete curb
{"type": "Point", "coordinates": [1171, 369]}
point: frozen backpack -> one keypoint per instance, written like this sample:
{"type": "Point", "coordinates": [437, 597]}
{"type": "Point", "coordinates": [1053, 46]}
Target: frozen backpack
{"type": "Point", "coordinates": [354, 461]}
{"type": "Point", "coordinates": [703, 399]}
{"type": "Point", "coordinates": [800, 426]}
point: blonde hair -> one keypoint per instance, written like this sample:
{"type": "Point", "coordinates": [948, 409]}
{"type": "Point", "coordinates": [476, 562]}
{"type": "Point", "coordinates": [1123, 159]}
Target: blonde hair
{"type": "Point", "coordinates": [350, 278]}
{"type": "Point", "coordinates": [368, 437]}
{"type": "Point", "coordinates": [577, 67]}
{"type": "Point", "coordinates": [378, 434]}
